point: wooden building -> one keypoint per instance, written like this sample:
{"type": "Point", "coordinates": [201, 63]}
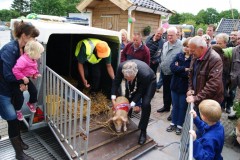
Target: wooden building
{"type": "Point", "coordinates": [115, 14]}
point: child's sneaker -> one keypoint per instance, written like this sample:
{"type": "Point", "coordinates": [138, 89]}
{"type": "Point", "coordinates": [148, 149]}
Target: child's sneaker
{"type": "Point", "coordinates": [31, 107]}
{"type": "Point", "coordinates": [19, 115]}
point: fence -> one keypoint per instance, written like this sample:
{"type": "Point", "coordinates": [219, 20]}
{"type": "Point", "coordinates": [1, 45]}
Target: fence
{"type": "Point", "coordinates": [68, 114]}
{"type": "Point", "coordinates": [186, 143]}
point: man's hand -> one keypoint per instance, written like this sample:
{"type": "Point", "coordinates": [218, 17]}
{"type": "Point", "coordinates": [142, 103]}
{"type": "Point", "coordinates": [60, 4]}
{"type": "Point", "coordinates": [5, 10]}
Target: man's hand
{"type": "Point", "coordinates": [23, 87]}
{"type": "Point", "coordinates": [136, 109]}
{"type": "Point", "coordinates": [113, 102]}
{"type": "Point", "coordinates": [190, 92]}
{"type": "Point", "coordinates": [85, 82]}
{"type": "Point", "coordinates": [190, 99]}
{"type": "Point", "coordinates": [193, 113]}
{"type": "Point", "coordinates": [193, 133]}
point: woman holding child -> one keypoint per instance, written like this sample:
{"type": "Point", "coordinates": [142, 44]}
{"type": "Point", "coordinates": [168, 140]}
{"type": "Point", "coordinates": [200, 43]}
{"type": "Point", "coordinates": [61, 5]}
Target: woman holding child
{"type": "Point", "coordinates": [9, 54]}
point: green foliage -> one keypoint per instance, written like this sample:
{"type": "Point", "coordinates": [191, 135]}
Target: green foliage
{"type": "Point", "coordinates": [22, 6]}
{"type": "Point", "coordinates": [175, 19]}
{"type": "Point", "coordinates": [236, 107]}
{"type": "Point", "coordinates": [49, 7]}
{"type": "Point", "coordinates": [147, 30]}
{"type": "Point", "coordinates": [185, 17]}
{"type": "Point", "coordinates": [7, 15]}
{"type": "Point", "coordinates": [228, 14]}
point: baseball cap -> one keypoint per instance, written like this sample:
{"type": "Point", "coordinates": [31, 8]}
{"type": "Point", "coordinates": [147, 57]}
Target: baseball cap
{"type": "Point", "coordinates": [103, 49]}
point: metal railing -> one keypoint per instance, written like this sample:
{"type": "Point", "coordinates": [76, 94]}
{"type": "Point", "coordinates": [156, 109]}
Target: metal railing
{"type": "Point", "coordinates": [186, 143]}
{"type": "Point", "coordinates": [68, 114]}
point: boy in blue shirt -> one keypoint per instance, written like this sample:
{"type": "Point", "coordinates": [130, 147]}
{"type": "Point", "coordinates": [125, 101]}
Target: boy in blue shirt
{"type": "Point", "coordinates": [209, 138]}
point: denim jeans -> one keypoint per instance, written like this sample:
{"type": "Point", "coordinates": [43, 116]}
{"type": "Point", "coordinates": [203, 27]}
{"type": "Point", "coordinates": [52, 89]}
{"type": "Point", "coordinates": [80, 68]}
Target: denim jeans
{"type": "Point", "coordinates": [179, 108]}
{"type": "Point", "coordinates": [7, 110]}
{"type": "Point", "coordinates": [160, 81]}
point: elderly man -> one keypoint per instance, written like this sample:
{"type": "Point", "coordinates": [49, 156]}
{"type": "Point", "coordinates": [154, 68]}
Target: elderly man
{"type": "Point", "coordinates": [141, 84]}
{"type": "Point", "coordinates": [222, 40]}
{"type": "Point", "coordinates": [89, 52]}
{"type": "Point", "coordinates": [205, 79]}
{"type": "Point", "coordinates": [136, 50]}
{"type": "Point", "coordinates": [170, 49]}
{"type": "Point", "coordinates": [155, 44]}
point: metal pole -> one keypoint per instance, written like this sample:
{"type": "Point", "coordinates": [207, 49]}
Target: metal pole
{"type": "Point", "coordinates": [190, 157]}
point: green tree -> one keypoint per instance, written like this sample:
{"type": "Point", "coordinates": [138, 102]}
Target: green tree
{"type": "Point", "coordinates": [186, 16]}
{"type": "Point", "coordinates": [7, 15]}
{"type": "Point", "coordinates": [175, 19]}
{"type": "Point", "coordinates": [21, 6]}
{"type": "Point", "coordinates": [228, 14]}
{"type": "Point", "coordinates": [49, 7]}
{"type": "Point", "coordinates": [212, 16]}
{"type": "Point", "coordinates": [71, 6]}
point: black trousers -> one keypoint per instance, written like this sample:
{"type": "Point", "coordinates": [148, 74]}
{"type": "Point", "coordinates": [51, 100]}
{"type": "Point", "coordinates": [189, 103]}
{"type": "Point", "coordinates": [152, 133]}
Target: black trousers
{"type": "Point", "coordinates": [154, 67]}
{"type": "Point", "coordinates": [13, 128]}
{"type": "Point", "coordinates": [17, 95]}
{"type": "Point", "coordinates": [167, 98]}
{"type": "Point", "coordinates": [146, 105]}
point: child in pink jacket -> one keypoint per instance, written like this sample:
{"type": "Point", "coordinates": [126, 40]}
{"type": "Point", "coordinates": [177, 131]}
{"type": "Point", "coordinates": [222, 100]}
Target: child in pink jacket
{"type": "Point", "coordinates": [26, 68]}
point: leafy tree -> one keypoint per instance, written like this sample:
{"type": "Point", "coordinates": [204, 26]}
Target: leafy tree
{"type": "Point", "coordinates": [22, 6]}
{"type": "Point", "coordinates": [228, 14]}
{"type": "Point", "coordinates": [7, 15]}
{"type": "Point", "coordinates": [175, 19]}
{"type": "Point", "coordinates": [71, 6]}
{"type": "Point", "coordinates": [186, 16]}
{"type": "Point", "coordinates": [212, 16]}
{"type": "Point", "coordinates": [49, 7]}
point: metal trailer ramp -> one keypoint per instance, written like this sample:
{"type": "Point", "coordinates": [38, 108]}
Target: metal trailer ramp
{"type": "Point", "coordinates": [42, 146]}
{"type": "Point", "coordinates": [105, 146]}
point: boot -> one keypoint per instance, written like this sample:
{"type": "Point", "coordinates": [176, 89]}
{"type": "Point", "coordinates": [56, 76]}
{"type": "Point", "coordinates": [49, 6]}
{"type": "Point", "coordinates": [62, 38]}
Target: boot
{"type": "Point", "coordinates": [143, 137]}
{"type": "Point", "coordinates": [20, 155]}
{"type": "Point", "coordinates": [24, 145]}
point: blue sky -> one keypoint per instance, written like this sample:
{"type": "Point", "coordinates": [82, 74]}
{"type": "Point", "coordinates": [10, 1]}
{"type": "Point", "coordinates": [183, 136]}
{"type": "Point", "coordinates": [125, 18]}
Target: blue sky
{"type": "Point", "coordinates": [190, 6]}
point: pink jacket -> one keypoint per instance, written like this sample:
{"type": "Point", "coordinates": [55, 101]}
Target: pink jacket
{"type": "Point", "coordinates": [25, 67]}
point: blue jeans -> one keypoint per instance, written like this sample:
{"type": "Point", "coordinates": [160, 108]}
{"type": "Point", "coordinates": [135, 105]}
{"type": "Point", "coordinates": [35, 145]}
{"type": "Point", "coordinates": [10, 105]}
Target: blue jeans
{"type": "Point", "coordinates": [179, 108]}
{"type": "Point", "coordinates": [160, 81]}
{"type": "Point", "coordinates": [7, 110]}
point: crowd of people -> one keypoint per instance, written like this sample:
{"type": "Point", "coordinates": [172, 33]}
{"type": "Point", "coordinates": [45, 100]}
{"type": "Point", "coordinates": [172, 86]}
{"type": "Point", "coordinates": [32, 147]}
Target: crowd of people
{"type": "Point", "coordinates": [192, 70]}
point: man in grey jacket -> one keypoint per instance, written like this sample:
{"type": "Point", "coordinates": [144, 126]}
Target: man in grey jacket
{"type": "Point", "coordinates": [170, 49]}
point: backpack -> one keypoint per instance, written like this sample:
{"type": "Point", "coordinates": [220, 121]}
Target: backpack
{"type": "Point", "coordinates": [235, 68]}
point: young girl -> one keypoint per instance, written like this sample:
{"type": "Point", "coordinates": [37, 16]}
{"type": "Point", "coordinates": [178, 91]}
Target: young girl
{"type": "Point", "coordinates": [25, 68]}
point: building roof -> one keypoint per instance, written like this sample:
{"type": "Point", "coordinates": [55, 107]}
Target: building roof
{"type": "Point", "coordinates": [151, 4]}
{"type": "Point", "coordinates": [227, 25]}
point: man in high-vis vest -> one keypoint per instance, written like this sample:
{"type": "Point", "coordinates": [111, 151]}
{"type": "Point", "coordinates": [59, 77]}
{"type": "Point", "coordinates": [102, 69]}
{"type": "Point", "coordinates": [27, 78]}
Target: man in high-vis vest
{"type": "Point", "coordinates": [89, 52]}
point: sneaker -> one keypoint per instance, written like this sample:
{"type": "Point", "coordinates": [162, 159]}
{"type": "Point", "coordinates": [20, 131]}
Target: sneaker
{"type": "Point", "coordinates": [178, 131]}
{"type": "Point", "coordinates": [171, 128]}
{"type": "Point", "coordinates": [31, 107]}
{"type": "Point", "coordinates": [19, 115]}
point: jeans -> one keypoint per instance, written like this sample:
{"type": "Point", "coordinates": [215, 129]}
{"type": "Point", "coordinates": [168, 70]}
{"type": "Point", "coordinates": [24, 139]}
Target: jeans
{"type": "Point", "coordinates": [160, 81]}
{"type": "Point", "coordinates": [179, 108]}
{"type": "Point", "coordinates": [7, 110]}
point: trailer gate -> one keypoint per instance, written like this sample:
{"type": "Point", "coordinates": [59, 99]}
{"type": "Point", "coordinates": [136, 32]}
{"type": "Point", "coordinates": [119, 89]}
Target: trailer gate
{"type": "Point", "coordinates": [64, 106]}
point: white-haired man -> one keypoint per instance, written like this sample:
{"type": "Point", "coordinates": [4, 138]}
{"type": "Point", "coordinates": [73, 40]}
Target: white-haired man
{"type": "Point", "coordinates": [170, 49]}
{"type": "Point", "coordinates": [205, 78]}
{"type": "Point", "coordinates": [141, 84]}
